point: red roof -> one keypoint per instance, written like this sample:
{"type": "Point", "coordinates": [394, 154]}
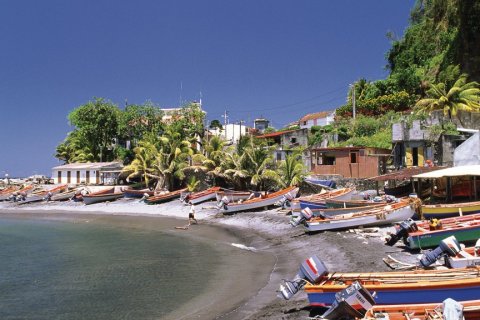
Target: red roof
{"type": "Point", "coordinates": [274, 134]}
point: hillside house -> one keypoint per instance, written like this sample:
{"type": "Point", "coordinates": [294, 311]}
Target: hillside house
{"type": "Point", "coordinates": [316, 119]}
{"type": "Point", "coordinates": [87, 173]}
{"type": "Point", "coordinates": [285, 141]}
{"type": "Point", "coordinates": [349, 162]}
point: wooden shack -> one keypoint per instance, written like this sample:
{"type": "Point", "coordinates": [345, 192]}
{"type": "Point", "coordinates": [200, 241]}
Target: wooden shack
{"type": "Point", "coordinates": [349, 162]}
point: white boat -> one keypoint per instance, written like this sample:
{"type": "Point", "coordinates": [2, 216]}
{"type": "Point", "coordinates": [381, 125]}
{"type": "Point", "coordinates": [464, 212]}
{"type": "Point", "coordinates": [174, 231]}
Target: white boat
{"type": "Point", "coordinates": [338, 194]}
{"type": "Point", "coordinates": [232, 196]}
{"type": "Point", "coordinates": [92, 198]}
{"type": "Point", "coordinates": [260, 202]}
{"type": "Point", "coordinates": [388, 214]}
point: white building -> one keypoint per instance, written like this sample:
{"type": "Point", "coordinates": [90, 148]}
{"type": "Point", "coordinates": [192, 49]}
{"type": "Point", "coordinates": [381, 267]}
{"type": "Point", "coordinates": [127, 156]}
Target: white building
{"type": "Point", "coordinates": [316, 119]}
{"type": "Point", "coordinates": [231, 132]}
{"type": "Point", "coordinates": [87, 173]}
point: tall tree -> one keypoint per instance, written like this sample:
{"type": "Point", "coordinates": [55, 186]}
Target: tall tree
{"type": "Point", "coordinates": [97, 124]}
{"type": "Point", "coordinates": [137, 120]}
{"type": "Point", "coordinates": [291, 171]}
{"type": "Point", "coordinates": [462, 95]}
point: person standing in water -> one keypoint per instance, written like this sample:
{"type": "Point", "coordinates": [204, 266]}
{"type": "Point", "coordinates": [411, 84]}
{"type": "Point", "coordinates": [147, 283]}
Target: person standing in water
{"type": "Point", "coordinates": [191, 215]}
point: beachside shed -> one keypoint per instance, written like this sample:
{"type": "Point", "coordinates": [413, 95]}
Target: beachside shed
{"type": "Point", "coordinates": [349, 162]}
{"type": "Point", "coordinates": [87, 173]}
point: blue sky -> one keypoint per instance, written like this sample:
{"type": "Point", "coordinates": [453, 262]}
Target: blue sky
{"type": "Point", "coordinates": [273, 58]}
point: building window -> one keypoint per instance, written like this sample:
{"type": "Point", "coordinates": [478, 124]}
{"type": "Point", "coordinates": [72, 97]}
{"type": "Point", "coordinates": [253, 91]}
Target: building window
{"type": "Point", "coordinates": [279, 156]}
{"type": "Point", "coordinates": [325, 160]}
{"type": "Point", "coordinates": [353, 157]}
{"type": "Point", "coordinates": [304, 123]}
{"type": "Point", "coordinates": [293, 140]}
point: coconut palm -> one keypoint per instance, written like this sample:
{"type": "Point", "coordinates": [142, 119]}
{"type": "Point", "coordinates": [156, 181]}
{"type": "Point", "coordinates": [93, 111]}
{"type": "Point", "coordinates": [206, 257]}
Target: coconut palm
{"type": "Point", "coordinates": [291, 171]}
{"type": "Point", "coordinates": [461, 96]}
{"type": "Point", "coordinates": [142, 165]}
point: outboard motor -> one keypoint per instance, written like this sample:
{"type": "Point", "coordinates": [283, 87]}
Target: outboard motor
{"type": "Point", "coordinates": [449, 246]}
{"type": "Point", "coordinates": [223, 203]}
{"type": "Point", "coordinates": [305, 214]}
{"type": "Point", "coordinates": [403, 230]}
{"type": "Point", "coordinates": [186, 197]}
{"type": "Point", "coordinates": [351, 303]}
{"type": "Point", "coordinates": [477, 249]}
{"type": "Point", "coordinates": [312, 270]}
{"type": "Point", "coordinates": [48, 196]}
{"type": "Point", "coordinates": [285, 201]}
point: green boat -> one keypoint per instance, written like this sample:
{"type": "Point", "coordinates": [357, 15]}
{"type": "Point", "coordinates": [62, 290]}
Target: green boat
{"type": "Point", "coordinates": [465, 229]}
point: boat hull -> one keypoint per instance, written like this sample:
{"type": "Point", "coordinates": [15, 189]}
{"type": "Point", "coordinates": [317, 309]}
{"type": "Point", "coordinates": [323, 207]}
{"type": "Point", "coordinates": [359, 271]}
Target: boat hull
{"type": "Point", "coordinates": [89, 199]}
{"type": "Point", "coordinates": [432, 239]}
{"type": "Point", "coordinates": [377, 219]}
{"type": "Point", "coordinates": [137, 194]}
{"type": "Point", "coordinates": [447, 211]}
{"type": "Point", "coordinates": [232, 196]}
{"type": "Point", "coordinates": [164, 197]}
{"type": "Point", "coordinates": [402, 296]}
{"type": "Point", "coordinates": [255, 204]}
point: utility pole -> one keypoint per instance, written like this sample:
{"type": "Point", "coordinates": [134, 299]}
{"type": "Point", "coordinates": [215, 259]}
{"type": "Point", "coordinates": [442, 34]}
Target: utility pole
{"type": "Point", "coordinates": [225, 122]}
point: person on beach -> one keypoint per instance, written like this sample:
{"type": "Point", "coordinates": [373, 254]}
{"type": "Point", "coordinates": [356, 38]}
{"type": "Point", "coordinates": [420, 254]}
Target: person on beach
{"type": "Point", "coordinates": [191, 215]}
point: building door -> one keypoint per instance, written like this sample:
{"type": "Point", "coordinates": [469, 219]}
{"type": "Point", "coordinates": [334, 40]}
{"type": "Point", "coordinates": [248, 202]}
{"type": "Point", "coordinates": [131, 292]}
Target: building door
{"type": "Point", "coordinates": [87, 176]}
{"type": "Point", "coordinates": [78, 177]}
{"type": "Point", "coordinates": [97, 177]}
{"type": "Point", "coordinates": [415, 157]}
{"type": "Point", "coordinates": [69, 177]}
{"type": "Point", "coordinates": [59, 176]}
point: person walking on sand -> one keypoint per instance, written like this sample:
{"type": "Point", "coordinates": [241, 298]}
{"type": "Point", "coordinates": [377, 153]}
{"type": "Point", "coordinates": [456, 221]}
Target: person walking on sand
{"type": "Point", "coordinates": [191, 215]}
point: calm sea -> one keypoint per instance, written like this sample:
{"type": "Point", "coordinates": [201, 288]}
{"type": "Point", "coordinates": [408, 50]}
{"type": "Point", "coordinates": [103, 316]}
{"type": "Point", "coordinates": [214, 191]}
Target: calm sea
{"type": "Point", "coordinates": [62, 270]}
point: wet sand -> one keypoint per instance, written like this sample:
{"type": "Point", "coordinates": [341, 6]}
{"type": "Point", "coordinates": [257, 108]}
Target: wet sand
{"type": "Point", "coordinates": [246, 283]}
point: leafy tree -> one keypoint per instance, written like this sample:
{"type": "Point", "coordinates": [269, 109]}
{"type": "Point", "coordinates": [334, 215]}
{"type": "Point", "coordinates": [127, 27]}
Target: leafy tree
{"type": "Point", "coordinates": [461, 96]}
{"type": "Point", "coordinates": [216, 124]}
{"type": "Point", "coordinates": [96, 123]}
{"type": "Point", "coordinates": [291, 171]}
{"type": "Point", "coordinates": [137, 120]}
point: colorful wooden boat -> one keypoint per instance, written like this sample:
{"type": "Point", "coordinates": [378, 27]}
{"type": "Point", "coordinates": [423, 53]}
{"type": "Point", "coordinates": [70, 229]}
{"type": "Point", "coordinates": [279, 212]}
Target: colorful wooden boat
{"type": "Point", "coordinates": [465, 229]}
{"type": "Point", "coordinates": [427, 311]}
{"type": "Point", "coordinates": [232, 196]}
{"type": "Point", "coordinates": [24, 190]}
{"type": "Point", "coordinates": [407, 287]}
{"type": "Point", "coordinates": [63, 196]}
{"type": "Point", "coordinates": [202, 196]}
{"type": "Point", "coordinates": [131, 193]}
{"type": "Point", "coordinates": [79, 196]}
{"type": "Point", "coordinates": [388, 214]}
{"type": "Point", "coordinates": [449, 210]}
{"type": "Point", "coordinates": [317, 201]}
{"type": "Point", "coordinates": [43, 194]}
{"type": "Point", "coordinates": [260, 202]}
{"type": "Point", "coordinates": [160, 198]}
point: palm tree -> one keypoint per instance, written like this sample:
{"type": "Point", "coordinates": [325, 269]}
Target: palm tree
{"type": "Point", "coordinates": [142, 165]}
{"type": "Point", "coordinates": [461, 96]}
{"type": "Point", "coordinates": [291, 171]}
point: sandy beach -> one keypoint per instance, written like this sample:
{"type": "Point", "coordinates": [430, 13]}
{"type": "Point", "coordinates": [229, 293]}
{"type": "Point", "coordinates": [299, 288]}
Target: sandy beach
{"type": "Point", "coordinates": [263, 249]}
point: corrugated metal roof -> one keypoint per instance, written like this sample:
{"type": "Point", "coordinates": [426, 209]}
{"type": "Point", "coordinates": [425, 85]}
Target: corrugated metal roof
{"type": "Point", "coordinates": [405, 174]}
{"type": "Point", "coordinates": [471, 170]}
{"type": "Point", "coordinates": [88, 165]}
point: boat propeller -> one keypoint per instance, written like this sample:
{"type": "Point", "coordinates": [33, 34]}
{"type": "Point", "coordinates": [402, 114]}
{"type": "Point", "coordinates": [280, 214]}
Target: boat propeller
{"type": "Point", "coordinates": [311, 270]}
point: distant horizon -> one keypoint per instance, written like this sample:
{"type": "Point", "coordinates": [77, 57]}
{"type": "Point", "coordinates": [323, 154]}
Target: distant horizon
{"type": "Point", "coordinates": [276, 59]}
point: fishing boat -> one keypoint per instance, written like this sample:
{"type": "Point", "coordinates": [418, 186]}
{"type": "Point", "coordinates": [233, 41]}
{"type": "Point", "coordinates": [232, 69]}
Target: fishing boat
{"type": "Point", "coordinates": [407, 287]}
{"type": "Point", "coordinates": [7, 192]}
{"type": "Point", "coordinates": [388, 214]}
{"type": "Point", "coordinates": [401, 190]}
{"type": "Point", "coordinates": [63, 196]}
{"type": "Point", "coordinates": [425, 311]}
{"type": "Point", "coordinates": [160, 198]}
{"type": "Point", "coordinates": [330, 184]}
{"type": "Point", "coordinates": [317, 201]}
{"type": "Point", "coordinates": [202, 196]}
{"type": "Point", "coordinates": [102, 197]}
{"type": "Point", "coordinates": [440, 211]}
{"type": "Point", "coordinates": [231, 196]}
{"type": "Point", "coordinates": [131, 193]}
{"type": "Point", "coordinates": [260, 202]}
{"type": "Point", "coordinates": [465, 229]}
{"type": "Point", "coordinates": [86, 191]}
{"type": "Point", "coordinates": [43, 194]}
{"type": "Point", "coordinates": [23, 190]}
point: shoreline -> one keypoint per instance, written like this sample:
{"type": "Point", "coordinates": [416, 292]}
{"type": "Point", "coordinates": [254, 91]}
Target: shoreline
{"type": "Point", "coordinates": [279, 249]}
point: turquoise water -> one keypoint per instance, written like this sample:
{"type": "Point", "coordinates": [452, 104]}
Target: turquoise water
{"type": "Point", "coordinates": [62, 270]}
